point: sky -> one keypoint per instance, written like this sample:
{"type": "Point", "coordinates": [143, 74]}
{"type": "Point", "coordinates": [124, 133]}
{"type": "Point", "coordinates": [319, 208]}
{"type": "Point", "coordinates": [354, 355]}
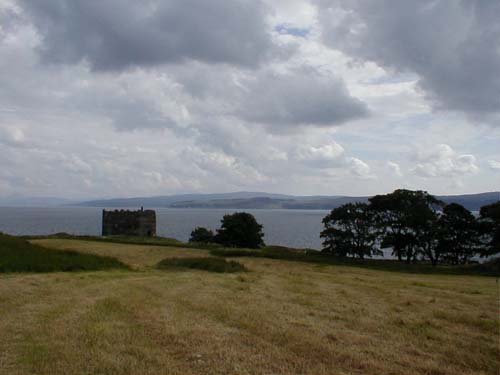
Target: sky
{"type": "Point", "coordinates": [120, 98]}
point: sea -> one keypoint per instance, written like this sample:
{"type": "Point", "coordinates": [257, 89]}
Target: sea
{"type": "Point", "coordinates": [291, 228]}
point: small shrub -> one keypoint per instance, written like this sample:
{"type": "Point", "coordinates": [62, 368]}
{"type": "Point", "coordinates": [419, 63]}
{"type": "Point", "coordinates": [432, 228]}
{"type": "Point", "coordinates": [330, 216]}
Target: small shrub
{"type": "Point", "coordinates": [206, 264]}
{"type": "Point", "coordinates": [202, 235]}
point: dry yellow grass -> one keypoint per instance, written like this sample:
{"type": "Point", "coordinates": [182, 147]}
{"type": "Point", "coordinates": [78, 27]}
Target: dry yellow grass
{"type": "Point", "coordinates": [280, 318]}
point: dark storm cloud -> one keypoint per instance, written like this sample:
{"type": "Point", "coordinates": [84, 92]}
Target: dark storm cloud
{"type": "Point", "coordinates": [303, 97]}
{"type": "Point", "coordinates": [8, 21]}
{"type": "Point", "coordinates": [117, 34]}
{"type": "Point", "coordinates": [453, 46]}
{"type": "Point", "coordinates": [281, 101]}
{"type": "Point", "coordinates": [190, 35]}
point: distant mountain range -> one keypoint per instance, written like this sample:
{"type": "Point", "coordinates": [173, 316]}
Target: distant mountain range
{"type": "Point", "coordinates": [17, 201]}
{"type": "Point", "coordinates": [172, 200]}
{"type": "Point", "coordinates": [259, 200]}
{"type": "Point", "coordinates": [237, 200]}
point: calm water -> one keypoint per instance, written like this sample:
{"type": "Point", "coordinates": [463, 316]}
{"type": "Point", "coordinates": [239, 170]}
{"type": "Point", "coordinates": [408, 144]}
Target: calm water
{"type": "Point", "coordinates": [294, 228]}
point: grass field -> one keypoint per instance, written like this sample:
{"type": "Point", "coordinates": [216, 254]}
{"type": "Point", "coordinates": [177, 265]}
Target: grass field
{"type": "Point", "coordinates": [280, 317]}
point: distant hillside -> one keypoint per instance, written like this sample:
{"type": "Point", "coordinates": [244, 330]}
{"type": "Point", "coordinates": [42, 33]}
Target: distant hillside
{"type": "Point", "coordinates": [297, 203]}
{"type": "Point", "coordinates": [324, 203]}
{"type": "Point", "coordinates": [14, 201]}
{"type": "Point", "coordinates": [257, 202]}
{"type": "Point", "coordinates": [472, 202]}
{"type": "Point", "coordinates": [170, 200]}
{"type": "Point", "coordinates": [249, 200]}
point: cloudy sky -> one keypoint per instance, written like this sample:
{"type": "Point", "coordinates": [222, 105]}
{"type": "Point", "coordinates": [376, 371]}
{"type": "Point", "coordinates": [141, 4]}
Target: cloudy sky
{"type": "Point", "coordinates": [102, 98]}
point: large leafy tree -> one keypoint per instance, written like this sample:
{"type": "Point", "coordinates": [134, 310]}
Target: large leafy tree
{"type": "Point", "coordinates": [406, 220]}
{"type": "Point", "coordinates": [458, 235]}
{"type": "Point", "coordinates": [490, 221]}
{"type": "Point", "coordinates": [240, 230]}
{"type": "Point", "coordinates": [349, 231]}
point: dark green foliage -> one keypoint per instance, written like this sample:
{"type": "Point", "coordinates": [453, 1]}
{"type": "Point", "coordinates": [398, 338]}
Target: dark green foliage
{"type": "Point", "coordinates": [458, 235]}
{"type": "Point", "coordinates": [491, 211]}
{"type": "Point", "coordinates": [490, 225]}
{"type": "Point", "coordinates": [406, 220]}
{"type": "Point", "coordinates": [349, 231]}
{"type": "Point", "coordinates": [240, 230]}
{"type": "Point", "coordinates": [18, 255]}
{"type": "Point", "coordinates": [411, 222]}
{"type": "Point", "coordinates": [206, 264]}
{"type": "Point", "coordinates": [202, 235]}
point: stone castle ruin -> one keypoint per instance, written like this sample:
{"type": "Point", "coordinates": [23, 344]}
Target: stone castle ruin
{"type": "Point", "coordinates": [140, 223]}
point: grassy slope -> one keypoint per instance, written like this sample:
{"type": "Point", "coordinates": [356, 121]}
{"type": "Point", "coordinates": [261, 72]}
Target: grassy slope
{"type": "Point", "coordinates": [280, 252]}
{"type": "Point", "coordinates": [18, 255]}
{"type": "Point", "coordinates": [280, 318]}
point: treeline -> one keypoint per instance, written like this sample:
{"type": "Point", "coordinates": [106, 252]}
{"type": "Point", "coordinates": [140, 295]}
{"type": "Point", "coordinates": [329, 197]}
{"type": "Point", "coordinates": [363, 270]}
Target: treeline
{"type": "Point", "coordinates": [416, 225]}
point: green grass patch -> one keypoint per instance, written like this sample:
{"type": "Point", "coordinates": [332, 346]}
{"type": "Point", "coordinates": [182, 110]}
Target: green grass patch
{"type": "Point", "coordinates": [206, 264]}
{"type": "Point", "coordinates": [18, 255]}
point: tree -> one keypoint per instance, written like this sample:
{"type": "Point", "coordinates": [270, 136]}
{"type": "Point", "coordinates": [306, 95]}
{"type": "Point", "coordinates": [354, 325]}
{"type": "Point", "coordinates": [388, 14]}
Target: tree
{"type": "Point", "coordinates": [349, 230]}
{"type": "Point", "coordinates": [240, 230]}
{"type": "Point", "coordinates": [490, 224]}
{"type": "Point", "coordinates": [405, 220]}
{"type": "Point", "coordinates": [201, 235]}
{"type": "Point", "coordinates": [459, 237]}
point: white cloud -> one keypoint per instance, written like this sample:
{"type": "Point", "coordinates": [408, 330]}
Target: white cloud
{"type": "Point", "coordinates": [441, 161]}
{"type": "Point", "coordinates": [12, 135]}
{"type": "Point", "coordinates": [76, 165]}
{"type": "Point", "coordinates": [494, 164]}
{"type": "Point", "coordinates": [395, 168]}
{"type": "Point", "coordinates": [327, 153]}
{"type": "Point", "coordinates": [359, 168]}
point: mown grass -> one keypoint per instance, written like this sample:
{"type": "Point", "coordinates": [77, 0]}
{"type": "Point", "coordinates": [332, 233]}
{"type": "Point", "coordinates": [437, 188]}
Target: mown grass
{"type": "Point", "coordinates": [206, 264]}
{"type": "Point", "coordinates": [18, 255]}
{"type": "Point", "coordinates": [282, 318]}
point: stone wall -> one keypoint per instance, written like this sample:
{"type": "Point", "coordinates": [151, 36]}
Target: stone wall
{"type": "Point", "coordinates": [129, 223]}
